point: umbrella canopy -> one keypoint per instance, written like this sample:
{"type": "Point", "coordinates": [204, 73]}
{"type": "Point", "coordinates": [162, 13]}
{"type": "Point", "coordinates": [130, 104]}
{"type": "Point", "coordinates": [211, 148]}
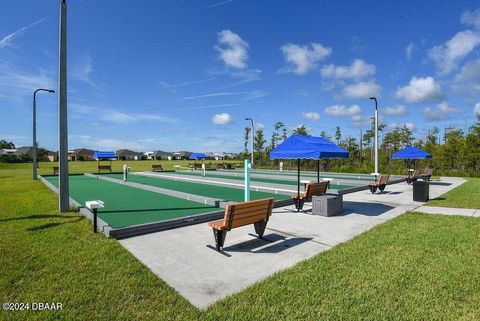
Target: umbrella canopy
{"type": "Point", "coordinates": [307, 147]}
{"type": "Point", "coordinates": [196, 156]}
{"type": "Point", "coordinates": [98, 155]}
{"type": "Point", "coordinates": [411, 153]}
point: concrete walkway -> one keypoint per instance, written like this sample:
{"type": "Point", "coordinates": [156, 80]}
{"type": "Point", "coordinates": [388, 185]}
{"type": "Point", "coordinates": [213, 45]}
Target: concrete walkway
{"type": "Point", "coordinates": [185, 260]}
{"type": "Point", "coordinates": [449, 211]}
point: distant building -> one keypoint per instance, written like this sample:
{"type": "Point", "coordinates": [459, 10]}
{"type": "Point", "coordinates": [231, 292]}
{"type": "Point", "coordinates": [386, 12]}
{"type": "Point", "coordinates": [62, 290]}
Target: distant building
{"type": "Point", "coordinates": [148, 155]}
{"type": "Point", "coordinates": [159, 154]}
{"type": "Point", "coordinates": [23, 151]}
{"type": "Point", "coordinates": [52, 156]}
{"type": "Point", "coordinates": [126, 154]}
{"type": "Point", "coordinates": [181, 155]}
{"type": "Point", "coordinates": [7, 151]}
{"type": "Point", "coordinates": [80, 154]}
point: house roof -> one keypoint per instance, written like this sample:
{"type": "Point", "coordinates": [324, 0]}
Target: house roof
{"type": "Point", "coordinates": [23, 150]}
{"type": "Point", "coordinates": [127, 152]}
{"type": "Point", "coordinates": [182, 153]}
{"type": "Point", "coordinates": [83, 152]}
{"type": "Point", "coordinates": [161, 153]}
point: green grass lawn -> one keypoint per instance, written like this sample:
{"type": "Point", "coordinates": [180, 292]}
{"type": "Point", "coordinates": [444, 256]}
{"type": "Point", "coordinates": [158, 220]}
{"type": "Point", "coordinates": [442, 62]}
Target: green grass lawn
{"type": "Point", "coordinates": [466, 195]}
{"type": "Point", "coordinates": [413, 267]}
{"type": "Point", "coordinates": [91, 166]}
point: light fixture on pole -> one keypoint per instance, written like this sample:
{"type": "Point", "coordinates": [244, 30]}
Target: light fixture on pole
{"type": "Point", "coordinates": [376, 137]}
{"type": "Point", "coordinates": [253, 139]}
{"type": "Point", "coordinates": [34, 131]}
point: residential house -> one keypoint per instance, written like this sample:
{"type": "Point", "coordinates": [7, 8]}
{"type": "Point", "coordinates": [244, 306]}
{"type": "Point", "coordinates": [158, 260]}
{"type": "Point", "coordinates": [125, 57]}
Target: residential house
{"type": "Point", "coordinates": [80, 154]}
{"type": "Point", "coordinates": [159, 154]}
{"type": "Point", "coordinates": [181, 155]}
{"type": "Point", "coordinates": [126, 154]}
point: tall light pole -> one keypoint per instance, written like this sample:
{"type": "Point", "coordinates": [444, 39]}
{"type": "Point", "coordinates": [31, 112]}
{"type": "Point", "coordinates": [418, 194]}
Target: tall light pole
{"type": "Point", "coordinates": [376, 136]}
{"type": "Point", "coordinates": [34, 130]}
{"type": "Point", "coordinates": [62, 112]}
{"type": "Point", "coordinates": [253, 138]}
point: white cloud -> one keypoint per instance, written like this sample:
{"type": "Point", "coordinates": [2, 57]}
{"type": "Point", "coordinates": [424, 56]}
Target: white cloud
{"type": "Point", "coordinates": [357, 70]}
{"type": "Point", "coordinates": [172, 87]}
{"type": "Point", "coordinates": [476, 111]}
{"type": "Point", "coordinates": [259, 126]}
{"type": "Point", "coordinates": [448, 55]}
{"type": "Point", "coordinates": [342, 111]}
{"type": "Point", "coordinates": [471, 18]}
{"type": "Point", "coordinates": [218, 4]}
{"type": "Point", "coordinates": [362, 89]}
{"type": "Point", "coordinates": [82, 69]}
{"type": "Point", "coordinates": [399, 110]}
{"type": "Point", "coordinates": [302, 59]}
{"type": "Point", "coordinates": [16, 83]}
{"type": "Point", "coordinates": [420, 90]}
{"type": "Point", "coordinates": [248, 95]}
{"type": "Point", "coordinates": [360, 121]}
{"type": "Point", "coordinates": [468, 79]}
{"type": "Point", "coordinates": [409, 50]}
{"type": "Point", "coordinates": [7, 40]}
{"type": "Point", "coordinates": [117, 117]}
{"type": "Point", "coordinates": [232, 49]}
{"type": "Point", "coordinates": [222, 119]}
{"type": "Point", "coordinates": [442, 111]}
{"type": "Point", "coordinates": [311, 115]}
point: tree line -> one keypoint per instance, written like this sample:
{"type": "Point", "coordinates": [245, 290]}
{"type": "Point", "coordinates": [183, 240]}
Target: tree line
{"type": "Point", "coordinates": [454, 152]}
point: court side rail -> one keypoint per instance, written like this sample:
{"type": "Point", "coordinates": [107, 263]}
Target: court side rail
{"type": "Point", "coordinates": [189, 197]}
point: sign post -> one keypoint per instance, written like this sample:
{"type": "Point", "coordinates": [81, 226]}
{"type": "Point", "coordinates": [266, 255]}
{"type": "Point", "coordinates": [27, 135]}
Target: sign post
{"type": "Point", "coordinates": [248, 167]}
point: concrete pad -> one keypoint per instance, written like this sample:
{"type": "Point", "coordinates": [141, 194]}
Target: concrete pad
{"type": "Point", "coordinates": [202, 275]}
{"type": "Point", "coordinates": [476, 214]}
{"type": "Point", "coordinates": [446, 210]}
{"type": "Point", "coordinates": [182, 258]}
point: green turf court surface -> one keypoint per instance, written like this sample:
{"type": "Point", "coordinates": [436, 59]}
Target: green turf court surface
{"type": "Point", "coordinates": [127, 206]}
{"type": "Point", "coordinates": [257, 179]}
{"type": "Point", "coordinates": [207, 190]}
{"type": "Point", "coordinates": [346, 176]}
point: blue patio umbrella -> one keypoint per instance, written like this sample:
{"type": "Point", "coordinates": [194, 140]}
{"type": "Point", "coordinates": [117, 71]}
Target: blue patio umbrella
{"type": "Point", "coordinates": [411, 153]}
{"type": "Point", "coordinates": [195, 156]}
{"type": "Point", "coordinates": [104, 155]}
{"type": "Point", "coordinates": [307, 147]}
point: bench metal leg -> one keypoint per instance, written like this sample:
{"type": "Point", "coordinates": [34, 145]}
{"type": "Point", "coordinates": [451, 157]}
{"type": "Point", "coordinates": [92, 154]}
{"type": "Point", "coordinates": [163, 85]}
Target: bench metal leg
{"type": "Point", "coordinates": [260, 228]}
{"type": "Point", "coordinates": [382, 187]}
{"type": "Point", "coordinates": [219, 238]}
{"type": "Point", "coordinates": [298, 204]}
{"type": "Point", "coordinates": [373, 188]}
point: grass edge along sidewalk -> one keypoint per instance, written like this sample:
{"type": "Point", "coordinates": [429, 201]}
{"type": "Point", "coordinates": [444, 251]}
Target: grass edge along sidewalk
{"type": "Point", "coordinates": [466, 195]}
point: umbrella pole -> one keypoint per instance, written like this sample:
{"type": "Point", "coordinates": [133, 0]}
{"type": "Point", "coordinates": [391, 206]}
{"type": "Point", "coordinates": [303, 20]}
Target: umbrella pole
{"type": "Point", "coordinates": [318, 171]}
{"type": "Point", "coordinates": [298, 176]}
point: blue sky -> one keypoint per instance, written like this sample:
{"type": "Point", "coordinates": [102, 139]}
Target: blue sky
{"type": "Point", "coordinates": [176, 75]}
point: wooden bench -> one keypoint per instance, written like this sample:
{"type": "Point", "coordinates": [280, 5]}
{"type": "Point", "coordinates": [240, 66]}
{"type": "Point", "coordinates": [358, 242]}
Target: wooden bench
{"type": "Point", "coordinates": [197, 166]}
{"type": "Point", "coordinates": [220, 166]}
{"type": "Point", "coordinates": [55, 170]}
{"type": "Point", "coordinates": [426, 174]}
{"type": "Point", "coordinates": [311, 189]}
{"type": "Point", "coordinates": [157, 168]}
{"type": "Point", "coordinates": [380, 184]}
{"type": "Point", "coordinates": [412, 177]}
{"type": "Point", "coordinates": [241, 214]}
{"type": "Point", "coordinates": [105, 168]}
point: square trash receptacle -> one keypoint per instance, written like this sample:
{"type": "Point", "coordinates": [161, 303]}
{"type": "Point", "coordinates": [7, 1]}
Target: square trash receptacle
{"type": "Point", "coordinates": [327, 205]}
{"type": "Point", "coordinates": [421, 191]}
